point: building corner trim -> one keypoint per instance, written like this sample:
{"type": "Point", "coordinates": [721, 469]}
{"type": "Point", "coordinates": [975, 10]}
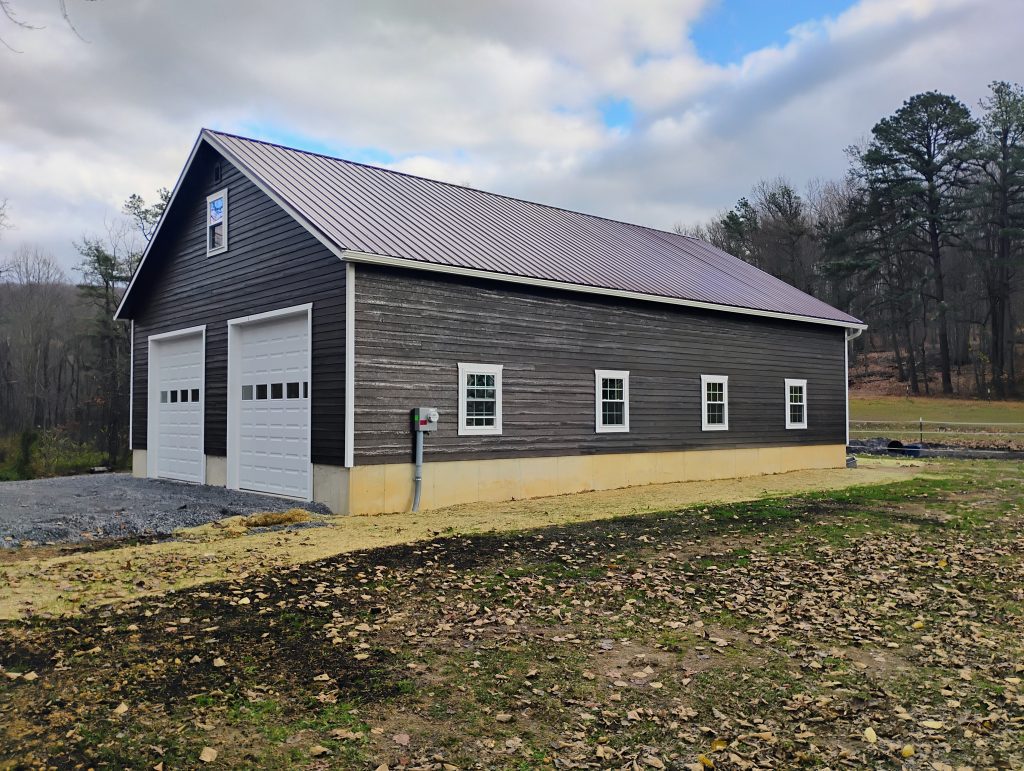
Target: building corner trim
{"type": "Point", "coordinates": [350, 363]}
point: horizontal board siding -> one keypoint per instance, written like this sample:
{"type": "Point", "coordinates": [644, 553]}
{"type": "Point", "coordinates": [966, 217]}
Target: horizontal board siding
{"type": "Point", "coordinates": [412, 331]}
{"type": "Point", "coordinates": [272, 262]}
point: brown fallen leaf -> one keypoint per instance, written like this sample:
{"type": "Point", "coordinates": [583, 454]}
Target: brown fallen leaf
{"type": "Point", "coordinates": [870, 736]}
{"type": "Point", "coordinates": [120, 709]}
{"type": "Point", "coordinates": [219, 662]}
{"type": "Point", "coordinates": [345, 734]}
{"type": "Point", "coordinates": [318, 750]}
{"type": "Point", "coordinates": [503, 717]}
{"type": "Point", "coordinates": [402, 739]}
{"type": "Point", "coordinates": [208, 755]}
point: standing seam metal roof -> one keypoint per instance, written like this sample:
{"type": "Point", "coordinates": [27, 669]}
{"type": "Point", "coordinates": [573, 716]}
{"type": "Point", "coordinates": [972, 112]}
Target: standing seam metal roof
{"type": "Point", "coordinates": [378, 211]}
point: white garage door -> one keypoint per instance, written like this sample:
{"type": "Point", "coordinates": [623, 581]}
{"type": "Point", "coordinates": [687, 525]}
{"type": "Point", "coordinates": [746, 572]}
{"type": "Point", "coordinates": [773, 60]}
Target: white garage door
{"type": "Point", "coordinates": [176, 407]}
{"type": "Point", "coordinates": [274, 414]}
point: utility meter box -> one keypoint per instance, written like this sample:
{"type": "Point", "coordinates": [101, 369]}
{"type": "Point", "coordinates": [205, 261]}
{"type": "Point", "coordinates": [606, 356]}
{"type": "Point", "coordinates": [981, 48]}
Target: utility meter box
{"type": "Point", "coordinates": [424, 418]}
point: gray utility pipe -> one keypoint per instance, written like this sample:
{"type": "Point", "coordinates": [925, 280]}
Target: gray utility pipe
{"type": "Point", "coordinates": [418, 478]}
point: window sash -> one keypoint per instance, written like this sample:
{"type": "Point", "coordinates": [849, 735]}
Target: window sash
{"type": "Point", "coordinates": [479, 399]}
{"type": "Point", "coordinates": [217, 222]}
{"type": "Point", "coordinates": [714, 402]}
{"type": "Point", "coordinates": [611, 401]}
{"type": "Point", "coordinates": [796, 403]}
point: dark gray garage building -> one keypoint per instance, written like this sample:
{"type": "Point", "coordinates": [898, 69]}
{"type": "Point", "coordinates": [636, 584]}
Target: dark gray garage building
{"type": "Point", "coordinates": [292, 308]}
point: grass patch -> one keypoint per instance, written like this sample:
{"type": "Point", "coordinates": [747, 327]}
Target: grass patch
{"type": "Point", "coordinates": [907, 408]}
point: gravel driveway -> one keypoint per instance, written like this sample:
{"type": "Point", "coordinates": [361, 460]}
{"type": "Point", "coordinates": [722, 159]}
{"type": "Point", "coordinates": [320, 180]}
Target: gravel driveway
{"type": "Point", "coordinates": [78, 508]}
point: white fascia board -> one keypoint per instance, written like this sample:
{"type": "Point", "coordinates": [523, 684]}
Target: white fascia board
{"type": "Point", "coordinates": [401, 262]}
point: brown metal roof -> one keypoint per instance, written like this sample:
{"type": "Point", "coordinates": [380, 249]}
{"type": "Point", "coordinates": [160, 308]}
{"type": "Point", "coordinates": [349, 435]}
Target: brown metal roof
{"type": "Point", "coordinates": [381, 212]}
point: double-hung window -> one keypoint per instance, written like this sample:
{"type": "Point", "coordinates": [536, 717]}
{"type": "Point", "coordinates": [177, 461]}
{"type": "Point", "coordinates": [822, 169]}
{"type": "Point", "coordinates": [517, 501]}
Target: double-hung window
{"type": "Point", "coordinates": [796, 403]}
{"type": "Point", "coordinates": [611, 399]}
{"type": "Point", "coordinates": [479, 399]}
{"type": "Point", "coordinates": [714, 402]}
{"type": "Point", "coordinates": [217, 222]}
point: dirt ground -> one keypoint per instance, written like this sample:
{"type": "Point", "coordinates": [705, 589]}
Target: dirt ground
{"type": "Point", "coordinates": [875, 626]}
{"type": "Point", "coordinates": [63, 580]}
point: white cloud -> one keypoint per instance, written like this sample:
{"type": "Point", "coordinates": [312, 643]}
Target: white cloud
{"type": "Point", "coordinates": [502, 95]}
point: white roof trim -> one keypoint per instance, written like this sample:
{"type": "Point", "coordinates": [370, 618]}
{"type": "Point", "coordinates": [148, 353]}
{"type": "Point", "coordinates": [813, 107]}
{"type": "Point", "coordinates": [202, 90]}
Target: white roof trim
{"type": "Point", "coordinates": [402, 262]}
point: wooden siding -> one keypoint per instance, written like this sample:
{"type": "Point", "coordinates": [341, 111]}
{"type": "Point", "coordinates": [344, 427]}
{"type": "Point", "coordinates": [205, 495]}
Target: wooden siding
{"type": "Point", "coordinates": [272, 262]}
{"type": "Point", "coordinates": [412, 330]}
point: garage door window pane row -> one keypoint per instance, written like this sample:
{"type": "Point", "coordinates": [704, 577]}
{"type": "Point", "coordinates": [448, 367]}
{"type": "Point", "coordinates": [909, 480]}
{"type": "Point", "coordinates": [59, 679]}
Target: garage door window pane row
{"type": "Point", "coordinates": [179, 395]}
{"type": "Point", "coordinates": [262, 391]}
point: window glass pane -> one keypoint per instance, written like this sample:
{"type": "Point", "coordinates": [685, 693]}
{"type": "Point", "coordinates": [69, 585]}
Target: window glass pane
{"type": "Point", "coordinates": [612, 389]}
{"type": "Point", "coordinates": [796, 413]}
{"type": "Point", "coordinates": [217, 235]}
{"type": "Point", "coordinates": [277, 390]}
{"type": "Point", "coordinates": [246, 393]}
{"type": "Point", "coordinates": [163, 397]}
{"type": "Point", "coordinates": [216, 211]}
{"type": "Point", "coordinates": [716, 413]}
{"type": "Point", "coordinates": [481, 400]}
{"type": "Point", "coordinates": [261, 391]}
{"type": "Point", "coordinates": [613, 413]}
{"type": "Point", "coordinates": [174, 397]}
{"type": "Point", "coordinates": [293, 391]}
{"type": "Point", "coordinates": [195, 394]}
{"type": "Point", "coordinates": [305, 390]}
{"type": "Point", "coordinates": [716, 392]}
{"type": "Point", "coordinates": [184, 394]}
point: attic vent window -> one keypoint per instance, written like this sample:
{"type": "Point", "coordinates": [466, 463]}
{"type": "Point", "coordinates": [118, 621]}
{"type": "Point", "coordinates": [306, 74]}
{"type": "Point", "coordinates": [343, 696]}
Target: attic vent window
{"type": "Point", "coordinates": [217, 222]}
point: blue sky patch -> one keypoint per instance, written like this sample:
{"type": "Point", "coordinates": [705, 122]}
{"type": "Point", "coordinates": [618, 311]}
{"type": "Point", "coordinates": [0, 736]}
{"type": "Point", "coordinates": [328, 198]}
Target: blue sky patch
{"type": "Point", "coordinates": [731, 29]}
{"type": "Point", "coordinates": [272, 133]}
{"type": "Point", "coordinates": [617, 113]}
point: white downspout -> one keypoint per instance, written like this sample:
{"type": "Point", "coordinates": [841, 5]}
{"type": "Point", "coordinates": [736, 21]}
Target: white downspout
{"type": "Point", "coordinates": [851, 334]}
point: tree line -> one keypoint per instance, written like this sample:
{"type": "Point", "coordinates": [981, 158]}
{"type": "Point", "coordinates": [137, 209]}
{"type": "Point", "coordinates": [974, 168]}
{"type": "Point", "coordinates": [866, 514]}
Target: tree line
{"type": "Point", "coordinates": [64, 361]}
{"type": "Point", "coordinates": [923, 239]}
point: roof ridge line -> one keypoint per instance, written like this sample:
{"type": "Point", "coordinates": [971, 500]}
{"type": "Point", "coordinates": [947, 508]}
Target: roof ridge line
{"type": "Point", "coordinates": [450, 184]}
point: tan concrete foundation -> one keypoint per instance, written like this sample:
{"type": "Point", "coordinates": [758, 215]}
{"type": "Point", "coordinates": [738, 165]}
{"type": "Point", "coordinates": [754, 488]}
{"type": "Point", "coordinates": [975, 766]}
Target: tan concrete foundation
{"type": "Point", "coordinates": [139, 463]}
{"type": "Point", "coordinates": [388, 487]}
{"type": "Point", "coordinates": [217, 470]}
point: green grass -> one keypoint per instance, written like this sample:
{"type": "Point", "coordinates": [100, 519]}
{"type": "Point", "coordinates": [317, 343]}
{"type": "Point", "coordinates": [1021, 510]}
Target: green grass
{"type": "Point", "coordinates": [46, 454]}
{"type": "Point", "coordinates": [904, 408]}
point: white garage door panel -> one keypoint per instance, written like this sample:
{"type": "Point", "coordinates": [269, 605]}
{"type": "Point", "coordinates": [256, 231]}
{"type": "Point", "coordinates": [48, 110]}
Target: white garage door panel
{"type": "Point", "coordinates": [176, 400]}
{"type": "Point", "coordinates": [274, 415]}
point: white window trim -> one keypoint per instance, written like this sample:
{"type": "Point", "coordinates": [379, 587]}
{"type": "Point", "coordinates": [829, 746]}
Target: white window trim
{"type": "Point", "coordinates": [704, 380]}
{"type": "Point", "coordinates": [803, 384]}
{"type": "Point", "coordinates": [206, 220]}
{"type": "Point", "coordinates": [468, 368]}
{"type": "Point", "coordinates": [599, 375]}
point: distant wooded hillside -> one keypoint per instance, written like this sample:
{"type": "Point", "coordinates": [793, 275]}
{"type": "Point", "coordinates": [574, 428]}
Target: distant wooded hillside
{"type": "Point", "coordinates": [923, 239]}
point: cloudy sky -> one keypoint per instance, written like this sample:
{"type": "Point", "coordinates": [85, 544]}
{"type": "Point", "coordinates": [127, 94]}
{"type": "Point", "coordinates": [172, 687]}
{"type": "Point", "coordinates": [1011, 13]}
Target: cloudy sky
{"type": "Point", "coordinates": [652, 111]}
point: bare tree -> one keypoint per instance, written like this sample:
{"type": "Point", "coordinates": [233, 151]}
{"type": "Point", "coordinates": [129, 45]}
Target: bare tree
{"type": "Point", "coordinates": [35, 313]}
{"type": "Point", "coordinates": [9, 12]}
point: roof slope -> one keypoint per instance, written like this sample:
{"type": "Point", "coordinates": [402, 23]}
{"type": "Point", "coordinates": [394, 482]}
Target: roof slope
{"type": "Point", "coordinates": [377, 211]}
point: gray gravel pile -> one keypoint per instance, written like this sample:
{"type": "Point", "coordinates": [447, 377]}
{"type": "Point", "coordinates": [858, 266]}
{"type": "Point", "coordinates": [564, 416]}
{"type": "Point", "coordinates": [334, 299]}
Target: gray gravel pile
{"type": "Point", "coordinates": [82, 508]}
